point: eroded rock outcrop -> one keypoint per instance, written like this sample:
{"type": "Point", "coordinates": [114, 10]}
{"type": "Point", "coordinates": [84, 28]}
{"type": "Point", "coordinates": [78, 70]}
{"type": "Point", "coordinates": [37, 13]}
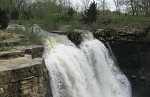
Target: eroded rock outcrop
{"type": "Point", "coordinates": [23, 73]}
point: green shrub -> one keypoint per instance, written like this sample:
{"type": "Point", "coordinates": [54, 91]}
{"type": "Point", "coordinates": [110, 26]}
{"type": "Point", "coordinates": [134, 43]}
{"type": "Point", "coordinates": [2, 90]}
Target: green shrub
{"type": "Point", "coordinates": [4, 20]}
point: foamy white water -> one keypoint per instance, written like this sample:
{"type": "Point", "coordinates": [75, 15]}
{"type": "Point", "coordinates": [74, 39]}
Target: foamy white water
{"type": "Point", "coordinates": [113, 82]}
{"type": "Point", "coordinates": [85, 72]}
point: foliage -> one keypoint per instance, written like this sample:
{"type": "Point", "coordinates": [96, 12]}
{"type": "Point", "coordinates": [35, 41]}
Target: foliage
{"type": "Point", "coordinates": [7, 4]}
{"type": "Point", "coordinates": [51, 15]}
{"type": "Point", "coordinates": [3, 19]}
{"type": "Point", "coordinates": [90, 14]}
{"type": "Point", "coordinates": [71, 12]}
{"type": "Point", "coordinates": [16, 9]}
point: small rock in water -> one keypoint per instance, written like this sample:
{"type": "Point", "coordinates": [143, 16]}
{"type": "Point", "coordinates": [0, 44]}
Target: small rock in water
{"type": "Point", "coordinates": [16, 27]}
{"type": "Point", "coordinates": [134, 76]}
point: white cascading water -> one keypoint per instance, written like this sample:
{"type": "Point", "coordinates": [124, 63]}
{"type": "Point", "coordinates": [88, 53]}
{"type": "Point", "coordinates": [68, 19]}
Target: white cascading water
{"type": "Point", "coordinates": [88, 71]}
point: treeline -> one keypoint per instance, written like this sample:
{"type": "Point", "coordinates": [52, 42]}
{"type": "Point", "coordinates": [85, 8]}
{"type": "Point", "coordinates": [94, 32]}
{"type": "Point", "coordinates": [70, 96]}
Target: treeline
{"type": "Point", "coordinates": [47, 12]}
{"type": "Point", "coordinates": [15, 8]}
{"type": "Point", "coordinates": [133, 7]}
{"type": "Point", "coordinates": [51, 13]}
{"type": "Point", "coordinates": [26, 9]}
{"type": "Point", "coordinates": [44, 11]}
{"type": "Point", "coordinates": [140, 7]}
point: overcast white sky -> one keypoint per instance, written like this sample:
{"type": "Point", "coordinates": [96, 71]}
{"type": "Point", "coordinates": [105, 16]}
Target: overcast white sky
{"type": "Point", "coordinates": [78, 3]}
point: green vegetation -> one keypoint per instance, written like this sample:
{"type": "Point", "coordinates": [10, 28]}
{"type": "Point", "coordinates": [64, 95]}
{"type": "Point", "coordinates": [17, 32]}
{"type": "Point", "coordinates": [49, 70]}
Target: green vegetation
{"type": "Point", "coordinates": [52, 15]}
{"type": "Point", "coordinates": [90, 14]}
{"type": "Point", "coordinates": [3, 19]}
{"type": "Point", "coordinates": [130, 19]}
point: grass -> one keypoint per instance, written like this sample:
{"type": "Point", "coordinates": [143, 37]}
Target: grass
{"type": "Point", "coordinates": [122, 21]}
{"type": "Point", "coordinates": [130, 19]}
{"type": "Point", "coordinates": [56, 22]}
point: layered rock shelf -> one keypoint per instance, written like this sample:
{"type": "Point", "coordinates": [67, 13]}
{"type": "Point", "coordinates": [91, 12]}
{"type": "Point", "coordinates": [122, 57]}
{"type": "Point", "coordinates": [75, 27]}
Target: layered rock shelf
{"type": "Point", "coordinates": [23, 73]}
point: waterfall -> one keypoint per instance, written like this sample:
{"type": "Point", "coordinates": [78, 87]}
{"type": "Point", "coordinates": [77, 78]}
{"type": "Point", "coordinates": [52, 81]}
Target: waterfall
{"type": "Point", "coordinates": [87, 71]}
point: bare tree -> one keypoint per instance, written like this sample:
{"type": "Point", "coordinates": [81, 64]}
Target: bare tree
{"type": "Point", "coordinates": [117, 5]}
{"type": "Point", "coordinates": [103, 5]}
{"type": "Point", "coordinates": [85, 3]}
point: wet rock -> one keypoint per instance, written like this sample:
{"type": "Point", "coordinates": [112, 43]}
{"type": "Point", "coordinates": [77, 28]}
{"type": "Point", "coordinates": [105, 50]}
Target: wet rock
{"type": "Point", "coordinates": [99, 34]}
{"type": "Point", "coordinates": [133, 76]}
{"type": "Point", "coordinates": [78, 35]}
{"type": "Point", "coordinates": [143, 78]}
{"type": "Point", "coordinates": [35, 50]}
{"type": "Point", "coordinates": [16, 27]}
{"type": "Point", "coordinates": [133, 59]}
{"type": "Point", "coordinates": [59, 32]}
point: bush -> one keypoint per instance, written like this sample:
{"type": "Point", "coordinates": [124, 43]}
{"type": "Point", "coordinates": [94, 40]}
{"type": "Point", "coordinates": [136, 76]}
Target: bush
{"type": "Point", "coordinates": [104, 20]}
{"type": "Point", "coordinates": [14, 15]}
{"type": "Point", "coordinates": [4, 20]}
{"type": "Point", "coordinates": [71, 12]}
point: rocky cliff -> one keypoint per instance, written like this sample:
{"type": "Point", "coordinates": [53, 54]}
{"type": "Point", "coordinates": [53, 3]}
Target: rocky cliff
{"type": "Point", "coordinates": [133, 59]}
{"type": "Point", "coordinates": [23, 74]}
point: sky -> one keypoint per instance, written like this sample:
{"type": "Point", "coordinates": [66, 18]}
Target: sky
{"type": "Point", "coordinates": [79, 6]}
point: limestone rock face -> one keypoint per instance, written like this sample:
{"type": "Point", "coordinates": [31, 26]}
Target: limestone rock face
{"type": "Point", "coordinates": [23, 76]}
{"type": "Point", "coordinates": [35, 51]}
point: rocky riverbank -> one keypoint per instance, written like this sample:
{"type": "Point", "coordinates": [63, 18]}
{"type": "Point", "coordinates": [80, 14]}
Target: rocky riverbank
{"type": "Point", "coordinates": [23, 73]}
{"type": "Point", "coordinates": [22, 70]}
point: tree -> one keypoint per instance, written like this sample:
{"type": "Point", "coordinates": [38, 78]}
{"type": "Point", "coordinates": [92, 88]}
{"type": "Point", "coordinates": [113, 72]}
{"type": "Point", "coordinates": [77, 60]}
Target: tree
{"type": "Point", "coordinates": [90, 14]}
{"type": "Point", "coordinates": [137, 7]}
{"type": "Point", "coordinates": [71, 12]}
{"type": "Point", "coordinates": [103, 5]}
{"type": "Point", "coordinates": [117, 5]}
{"type": "Point", "coordinates": [85, 4]}
{"type": "Point", "coordinates": [17, 8]}
{"type": "Point", "coordinates": [3, 19]}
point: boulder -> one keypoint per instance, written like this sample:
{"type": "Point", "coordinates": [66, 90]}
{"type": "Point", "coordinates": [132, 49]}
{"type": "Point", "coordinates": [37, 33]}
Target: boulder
{"type": "Point", "coordinates": [35, 50]}
{"type": "Point", "coordinates": [58, 32]}
{"type": "Point", "coordinates": [16, 27]}
{"type": "Point", "coordinates": [77, 36]}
